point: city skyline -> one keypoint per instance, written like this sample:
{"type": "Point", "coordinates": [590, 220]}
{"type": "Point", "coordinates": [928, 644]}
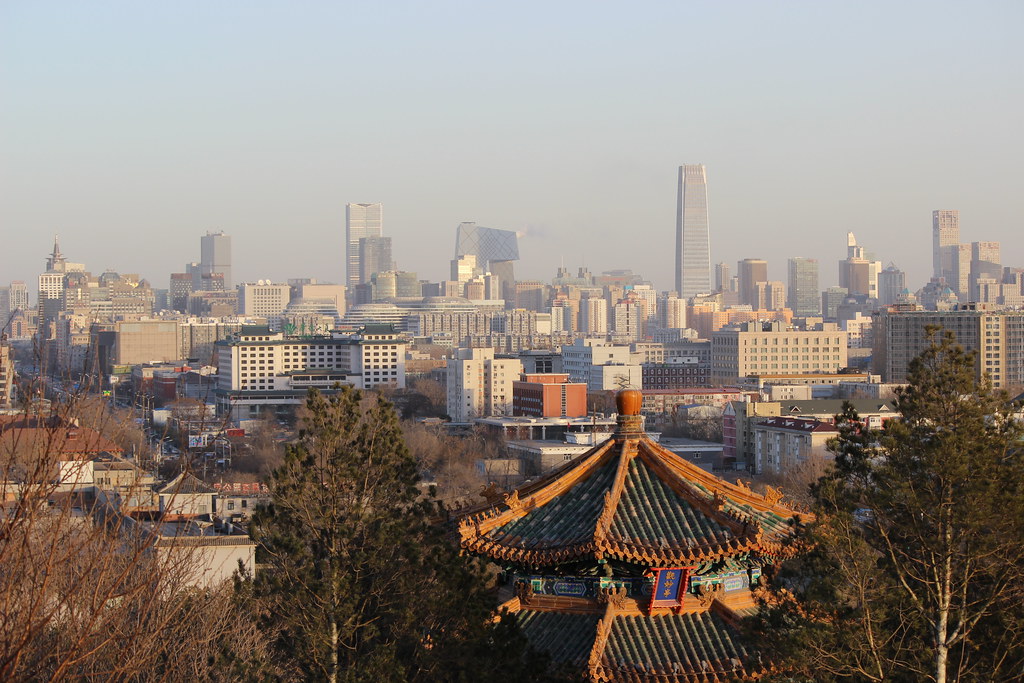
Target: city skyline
{"type": "Point", "coordinates": [129, 158]}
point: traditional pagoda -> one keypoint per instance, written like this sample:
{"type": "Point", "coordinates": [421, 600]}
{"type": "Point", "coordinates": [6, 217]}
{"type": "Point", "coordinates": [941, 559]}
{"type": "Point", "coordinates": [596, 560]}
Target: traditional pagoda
{"type": "Point", "coordinates": [631, 564]}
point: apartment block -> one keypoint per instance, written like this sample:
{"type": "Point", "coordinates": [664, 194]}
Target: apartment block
{"type": "Point", "coordinates": [782, 444]}
{"type": "Point", "coordinates": [770, 348]}
{"type": "Point", "coordinates": [997, 338]}
{"type": "Point", "coordinates": [480, 385]}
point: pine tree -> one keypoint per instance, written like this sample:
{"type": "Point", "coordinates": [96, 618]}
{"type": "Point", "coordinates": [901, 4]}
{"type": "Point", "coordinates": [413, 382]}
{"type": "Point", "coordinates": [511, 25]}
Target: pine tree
{"type": "Point", "coordinates": [916, 568]}
{"type": "Point", "coordinates": [357, 583]}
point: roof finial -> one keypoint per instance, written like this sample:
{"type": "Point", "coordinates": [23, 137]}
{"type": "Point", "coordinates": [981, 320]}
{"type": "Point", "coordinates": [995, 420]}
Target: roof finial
{"type": "Point", "coordinates": [629, 403]}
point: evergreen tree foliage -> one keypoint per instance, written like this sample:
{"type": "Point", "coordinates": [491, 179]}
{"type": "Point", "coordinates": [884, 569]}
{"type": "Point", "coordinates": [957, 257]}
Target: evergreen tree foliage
{"type": "Point", "coordinates": [357, 584]}
{"type": "Point", "coordinates": [915, 569]}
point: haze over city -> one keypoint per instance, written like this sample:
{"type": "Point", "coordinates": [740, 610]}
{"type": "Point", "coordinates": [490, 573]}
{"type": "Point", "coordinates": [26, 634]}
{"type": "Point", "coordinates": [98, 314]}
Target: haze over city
{"type": "Point", "coordinates": [130, 129]}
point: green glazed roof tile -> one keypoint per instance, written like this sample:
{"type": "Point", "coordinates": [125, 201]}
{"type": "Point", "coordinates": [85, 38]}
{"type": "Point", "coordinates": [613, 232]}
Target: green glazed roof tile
{"type": "Point", "coordinates": [565, 637]}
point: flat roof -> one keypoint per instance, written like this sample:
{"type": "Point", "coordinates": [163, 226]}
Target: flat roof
{"type": "Point", "coordinates": [542, 444]}
{"type": "Point", "coordinates": [546, 421]}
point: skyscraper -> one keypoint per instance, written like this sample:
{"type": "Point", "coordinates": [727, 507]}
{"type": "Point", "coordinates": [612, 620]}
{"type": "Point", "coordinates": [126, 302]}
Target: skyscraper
{"type": "Point", "coordinates": [750, 271]}
{"type": "Point", "coordinates": [361, 220]}
{"type": "Point", "coordinates": [985, 265]}
{"type": "Point", "coordinates": [891, 283]}
{"type": "Point", "coordinates": [496, 251]}
{"type": "Point", "coordinates": [771, 295]}
{"type": "Point", "coordinates": [215, 256]}
{"type": "Point", "coordinates": [693, 248]}
{"type": "Point", "coordinates": [804, 295]}
{"type": "Point", "coordinates": [945, 238]}
{"type": "Point", "coordinates": [722, 277]}
{"type": "Point", "coordinates": [858, 273]}
{"type": "Point", "coordinates": [374, 257]}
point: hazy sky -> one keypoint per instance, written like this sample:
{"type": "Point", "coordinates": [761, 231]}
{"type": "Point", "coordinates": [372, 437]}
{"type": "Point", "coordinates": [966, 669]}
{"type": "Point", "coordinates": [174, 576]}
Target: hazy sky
{"type": "Point", "coordinates": [131, 128]}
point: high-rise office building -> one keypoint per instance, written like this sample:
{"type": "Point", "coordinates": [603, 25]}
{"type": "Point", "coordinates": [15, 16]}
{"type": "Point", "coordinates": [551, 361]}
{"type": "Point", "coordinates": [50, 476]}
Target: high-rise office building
{"type": "Point", "coordinates": [831, 299]}
{"type": "Point", "coordinates": [722, 277]}
{"type": "Point", "coordinates": [361, 220]}
{"type": "Point", "coordinates": [891, 283]}
{"type": "Point", "coordinates": [959, 279]}
{"type": "Point", "coordinates": [374, 257]}
{"type": "Point", "coordinates": [496, 251]}
{"type": "Point", "coordinates": [985, 265]}
{"type": "Point", "coordinates": [693, 242]}
{"type": "Point", "coordinates": [464, 268]}
{"type": "Point", "coordinates": [13, 298]}
{"type": "Point", "coordinates": [804, 295]}
{"type": "Point", "coordinates": [858, 273]}
{"type": "Point", "coordinates": [215, 256]}
{"type": "Point", "coordinates": [749, 272]}
{"type": "Point", "coordinates": [264, 299]}
{"type": "Point", "coordinates": [19, 295]}
{"type": "Point", "coordinates": [945, 237]}
{"type": "Point", "coordinates": [51, 285]}
{"type": "Point", "coordinates": [771, 295]}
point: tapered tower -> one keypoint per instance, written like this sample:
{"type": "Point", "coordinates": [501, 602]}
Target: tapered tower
{"type": "Point", "coordinates": [693, 245]}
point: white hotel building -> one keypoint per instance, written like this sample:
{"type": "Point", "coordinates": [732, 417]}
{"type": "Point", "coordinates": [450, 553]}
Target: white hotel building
{"type": "Point", "coordinates": [260, 369]}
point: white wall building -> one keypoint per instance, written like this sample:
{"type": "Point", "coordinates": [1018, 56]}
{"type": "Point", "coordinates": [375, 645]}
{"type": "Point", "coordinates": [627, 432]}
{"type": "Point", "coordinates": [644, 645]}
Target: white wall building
{"type": "Point", "coordinates": [480, 385]}
{"type": "Point", "coordinates": [583, 359]}
{"type": "Point", "coordinates": [259, 368]}
{"type": "Point", "coordinates": [264, 299]}
{"type": "Point", "coordinates": [594, 316]}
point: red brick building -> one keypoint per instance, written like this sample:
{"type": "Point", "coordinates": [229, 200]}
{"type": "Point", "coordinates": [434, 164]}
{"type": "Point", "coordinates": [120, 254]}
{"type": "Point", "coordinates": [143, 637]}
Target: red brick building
{"type": "Point", "coordinates": [548, 395]}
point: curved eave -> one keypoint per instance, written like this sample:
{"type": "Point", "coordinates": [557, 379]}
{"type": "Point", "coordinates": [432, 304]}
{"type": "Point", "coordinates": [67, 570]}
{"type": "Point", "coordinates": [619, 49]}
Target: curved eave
{"type": "Point", "coordinates": [753, 523]}
{"type": "Point", "coordinates": [611, 549]}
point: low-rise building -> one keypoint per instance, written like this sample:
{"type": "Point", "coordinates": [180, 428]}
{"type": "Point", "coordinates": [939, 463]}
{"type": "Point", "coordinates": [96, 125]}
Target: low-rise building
{"type": "Point", "coordinates": [658, 401]}
{"type": "Point", "coordinates": [739, 420]}
{"type": "Point", "coordinates": [236, 501]}
{"type": "Point", "coordinates": [583, 430]}
{"type": "Point", "coordinates": [782, 444]}
{"type": "Point", "coordinates": [540, 456]}
{"type": "Point", "coordinates": [548, 395]}
{"type": "Point", "coordinates": [186, 497]}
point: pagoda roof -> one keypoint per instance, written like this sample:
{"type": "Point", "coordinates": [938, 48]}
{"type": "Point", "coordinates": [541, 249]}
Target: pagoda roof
{"type": "Point", "coordinates": [692, 646]}
{"type": "Point", "coordinates": [630, 499]}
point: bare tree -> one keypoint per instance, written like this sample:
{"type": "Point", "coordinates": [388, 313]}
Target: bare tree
{"type": "Point", "coordinates": [84, 591]}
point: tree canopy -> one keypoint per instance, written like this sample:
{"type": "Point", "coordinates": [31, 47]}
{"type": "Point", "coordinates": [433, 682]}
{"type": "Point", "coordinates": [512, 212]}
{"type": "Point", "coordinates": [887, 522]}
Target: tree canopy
{"type": "Point", "coordinates": [916, 562]}
{"type": "Point", "coordinates": [357, 583]}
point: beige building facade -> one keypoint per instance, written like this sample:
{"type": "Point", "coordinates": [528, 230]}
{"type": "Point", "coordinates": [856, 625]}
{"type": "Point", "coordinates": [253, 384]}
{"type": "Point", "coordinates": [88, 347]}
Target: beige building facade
{"type": "Point", "coordinates": [754, 349]}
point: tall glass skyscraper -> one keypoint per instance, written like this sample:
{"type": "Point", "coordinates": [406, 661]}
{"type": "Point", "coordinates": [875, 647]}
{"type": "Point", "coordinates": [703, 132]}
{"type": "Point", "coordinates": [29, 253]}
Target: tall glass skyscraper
{"type": "Point", "coordinates": [361, 220]}
{"type": "Point", "coordinates": [215, 256]}
{"type": "Point", "coordinates": [945, 241]}
{"type": "Point", "coordinates": [693, 244]}
{"type": "Point", "coordinates": [804, 295]}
